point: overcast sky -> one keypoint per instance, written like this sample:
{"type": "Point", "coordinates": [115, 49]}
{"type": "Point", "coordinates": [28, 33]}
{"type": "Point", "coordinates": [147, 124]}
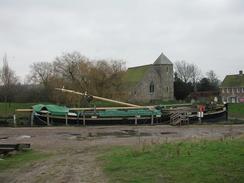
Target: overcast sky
{"type": "Point", "coordinates": [208, 33]}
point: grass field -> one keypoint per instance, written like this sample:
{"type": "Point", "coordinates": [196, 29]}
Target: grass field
{"type": "Point", "coordinates": [20, 159]}
{"type": "Point", "coordinates": [236, 110]}
{"type": "Point", "coordinates": [205, 161]}
{"type": "Point", "coordinates": [9, 109]}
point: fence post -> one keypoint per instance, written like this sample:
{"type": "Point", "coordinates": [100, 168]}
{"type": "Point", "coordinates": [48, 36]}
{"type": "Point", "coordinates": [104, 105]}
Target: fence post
{"type": "Point", "coordinates": [226, 111]}
{"type": "Point", "coordinates": [48, 123]}
{"type": "Point", "coordinates": [199, 117]}
{"type": "Point", "coordinates": [14, 120]}
{"type": "Point", "coordinates": [84, 120]}
{"type": "Point", "coordinates": [152, 120]}
{"type": "Point", "coordinates": [32, 118]}
{"type": "Point", "coordinates": [66, 120]}
{"type": "Point", "coordinates": [135, 120]}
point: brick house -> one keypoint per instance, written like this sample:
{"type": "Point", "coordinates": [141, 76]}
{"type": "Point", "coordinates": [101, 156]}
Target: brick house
{"type": "Point", "coordinates": [232, 88]}
{"type": "Point", "coordinates": [150, 82]}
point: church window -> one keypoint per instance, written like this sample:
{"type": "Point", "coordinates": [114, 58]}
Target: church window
{"type": "Point", "coordinates": [167, 69]}
{"type": "Point", "coordinates": [151, 87]}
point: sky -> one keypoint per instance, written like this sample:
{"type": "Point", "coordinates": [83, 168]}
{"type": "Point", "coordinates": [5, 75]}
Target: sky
{"type": "Point", "coordinates": [208, 33]}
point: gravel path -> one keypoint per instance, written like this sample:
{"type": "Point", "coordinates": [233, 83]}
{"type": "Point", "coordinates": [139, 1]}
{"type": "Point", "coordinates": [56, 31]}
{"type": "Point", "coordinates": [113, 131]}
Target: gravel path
{"type": "Point", "coordinates": [76, 149]}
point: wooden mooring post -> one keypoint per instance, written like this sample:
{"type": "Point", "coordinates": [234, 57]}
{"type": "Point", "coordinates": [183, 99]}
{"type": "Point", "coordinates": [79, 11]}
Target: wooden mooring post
{"type": "Point", "coordinates": [226, 111]}
{"type": "Point", "coordinates": [152, 120]}
{"type": "Point", "coordinates": [84, 120]}
{"type": "Point", "coordinates": [14, 118]}
{"type": "Point", "coordinates": [32, 118]}
{"type": "Point", "coordinates": [48, 120]}
{"type": "Point", "coordinates": [66, 119]}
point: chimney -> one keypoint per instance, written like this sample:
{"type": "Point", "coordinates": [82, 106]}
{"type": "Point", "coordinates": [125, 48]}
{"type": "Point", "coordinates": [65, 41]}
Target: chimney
{"type": "Point", "coordinates": [240, 72]}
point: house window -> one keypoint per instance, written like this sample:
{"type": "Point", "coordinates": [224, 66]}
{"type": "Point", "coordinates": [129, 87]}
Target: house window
{"type": "Point", "coordinates": [237, 90]}
{"type": "Point", "coordinates": [151, 87]}
{"type": "Point", "coordinates": [223, 90]}
{"type": "Point", "coordinates": [167, 89]}
{"type": "Point", "coordinates": [228, 90]}
{"type": "Point", "coordinates": [167, 69]}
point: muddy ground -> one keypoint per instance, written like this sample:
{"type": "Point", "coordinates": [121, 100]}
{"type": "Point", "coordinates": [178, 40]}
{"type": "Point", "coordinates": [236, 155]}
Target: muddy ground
{"type": "Point", "coordinates": [75, 149]}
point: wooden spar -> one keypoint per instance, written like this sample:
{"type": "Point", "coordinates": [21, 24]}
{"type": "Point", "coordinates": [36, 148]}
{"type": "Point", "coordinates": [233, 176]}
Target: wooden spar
{"type": "Point", "coordinates": [24, 110]}
{"type": "Point", "coordinates": [92, 108]}
{"type": "Point", "coordinates": [105, 108]}
{"type": "Point", "coordinates": [98, 98]}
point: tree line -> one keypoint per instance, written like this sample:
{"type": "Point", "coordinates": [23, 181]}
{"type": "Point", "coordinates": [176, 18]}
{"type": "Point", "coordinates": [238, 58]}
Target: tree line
{"type": "Point", "coordinates": [70, 70]}
{"type": "Point", "coordinates": [98, 77]}
{"type": "Point", "coordinates": [188, 78]}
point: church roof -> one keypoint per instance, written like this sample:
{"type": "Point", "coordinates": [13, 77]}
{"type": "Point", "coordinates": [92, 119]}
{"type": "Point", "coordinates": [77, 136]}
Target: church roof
{"type": "Point", "coordinates": [236, 80]}
{"type": "Point", "coordinates": [134, 74]}
{"type": "Point", "coordinates": [162, 59]}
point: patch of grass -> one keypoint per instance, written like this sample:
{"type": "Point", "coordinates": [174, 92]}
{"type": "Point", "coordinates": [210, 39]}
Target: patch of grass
{"type": "Point", "coordinates": [8, 109]}
{"type": "Point", "coordinates": [205, 161]}
{"type": "Point", "coordinates": [20, 159]}
{"type": "Point", "coordinates": [236, 110]}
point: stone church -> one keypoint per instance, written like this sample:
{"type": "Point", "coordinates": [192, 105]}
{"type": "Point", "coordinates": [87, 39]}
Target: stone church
{"type": "Point", "coordinates": [151, 82]}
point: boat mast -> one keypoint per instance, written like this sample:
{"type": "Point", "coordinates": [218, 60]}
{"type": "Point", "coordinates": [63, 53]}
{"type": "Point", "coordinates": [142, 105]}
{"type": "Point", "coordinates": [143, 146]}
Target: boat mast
{"type": "Point", "coordinates": [97, 97]}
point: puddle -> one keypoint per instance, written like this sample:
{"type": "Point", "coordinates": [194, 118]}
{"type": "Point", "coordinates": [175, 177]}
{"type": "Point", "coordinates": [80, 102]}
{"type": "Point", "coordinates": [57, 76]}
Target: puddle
{"type": "Point", "coordinates": [23, 137]}
{"type": "Point", "coordinates": [130, 131]}
{"type": "Point", "coordinates": [123, 133]}
{"type": "Point", "coordinates": [67, 133]}
{"type": "Point", "coordinates": [71, 136]}
{"type": "Point", "coordinates": [167, 133]}
{"type": "Point", "coordinates": [3, 138]}
{"type": "Point", "coordinates": [116, 134]}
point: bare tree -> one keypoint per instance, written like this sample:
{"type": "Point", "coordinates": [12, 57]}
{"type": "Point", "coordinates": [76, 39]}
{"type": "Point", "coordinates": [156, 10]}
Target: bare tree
{"type": "Point", "coordinates": [41, 73]}
{"type": "Point", "coordinates": [188, 72]}
{"type": "Point", "coordinates": [116, 79]}
{"type": "Point", "coordinates": [213, 79]}
{"type": "Point", "coordinates": [106, 77]}
{"type": "Point", "coordinates": [99, 76]}
{"type": "Point", "coordinates": [195, 75]}
{"type": "Point", "coordinates": [212, 76]}
{"type": "Point", "coordinates": [8, 80]}
{"type": "Point", "coordinates": [74, 71]}
{"type": "Point", "coordinates": [73, 68]}
{"type": "Point", "coordinates": [183, 70]}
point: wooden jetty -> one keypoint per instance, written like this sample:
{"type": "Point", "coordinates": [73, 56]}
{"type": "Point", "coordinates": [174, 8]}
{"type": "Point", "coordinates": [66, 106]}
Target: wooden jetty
{"type": "Point", "coordinates": [7, 148]}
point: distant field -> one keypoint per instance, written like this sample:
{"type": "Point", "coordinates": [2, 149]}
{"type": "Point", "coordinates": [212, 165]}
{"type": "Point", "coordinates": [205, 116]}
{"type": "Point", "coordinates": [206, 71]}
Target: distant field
{"type": "Point", "coordinates": [8, 109]}
{"type": "Point", "coordinates": [205, 161]}
{"type": "Point", "coordinates": [236, 110]}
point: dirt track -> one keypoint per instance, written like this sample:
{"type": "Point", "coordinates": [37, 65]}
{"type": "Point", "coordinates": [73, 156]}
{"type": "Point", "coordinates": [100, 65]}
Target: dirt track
{"type": "Point", "coordinates": [75, 148]}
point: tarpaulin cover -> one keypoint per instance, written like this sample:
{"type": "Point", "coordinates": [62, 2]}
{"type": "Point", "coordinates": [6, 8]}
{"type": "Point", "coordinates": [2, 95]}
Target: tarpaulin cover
{"type": "Point", "coordinates": [128, 113]}
{"type": "Point", "coordinates": [52, 109]}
